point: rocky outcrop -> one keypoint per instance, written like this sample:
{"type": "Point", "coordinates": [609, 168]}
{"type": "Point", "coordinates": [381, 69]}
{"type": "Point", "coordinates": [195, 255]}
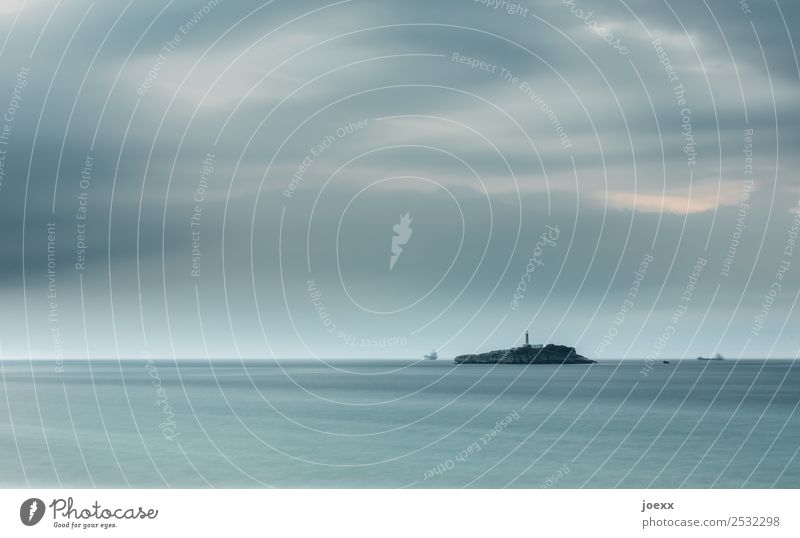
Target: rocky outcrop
{"type": "Point", "coordinates": [549, 354]}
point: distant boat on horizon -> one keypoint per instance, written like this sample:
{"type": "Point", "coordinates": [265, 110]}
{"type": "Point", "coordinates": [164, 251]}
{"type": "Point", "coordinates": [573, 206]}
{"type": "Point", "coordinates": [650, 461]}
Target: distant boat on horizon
{"type": "Point", "coordinates": [432, 356]}
{"type": "Point", "coordinates": [716, 357]}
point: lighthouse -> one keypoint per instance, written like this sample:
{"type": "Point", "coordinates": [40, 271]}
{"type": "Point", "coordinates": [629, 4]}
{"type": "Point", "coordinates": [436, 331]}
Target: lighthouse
{"type": "Point", "coordinates": [528, 343]}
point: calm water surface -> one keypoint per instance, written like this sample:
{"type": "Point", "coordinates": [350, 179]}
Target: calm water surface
{"type": "Point", "coordinates": [395, 424]}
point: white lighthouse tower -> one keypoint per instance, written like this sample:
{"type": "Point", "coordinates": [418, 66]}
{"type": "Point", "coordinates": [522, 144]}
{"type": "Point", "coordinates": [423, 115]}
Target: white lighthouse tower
{"type": "Point", "coordinates": [528, 342]}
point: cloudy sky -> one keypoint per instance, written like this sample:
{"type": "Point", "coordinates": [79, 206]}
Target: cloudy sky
{"type": "Point", "coordinates": [217, 178]}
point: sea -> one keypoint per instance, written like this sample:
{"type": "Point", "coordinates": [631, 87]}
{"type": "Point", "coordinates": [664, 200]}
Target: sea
{"type": "Point", "coordinates": [399, 424]}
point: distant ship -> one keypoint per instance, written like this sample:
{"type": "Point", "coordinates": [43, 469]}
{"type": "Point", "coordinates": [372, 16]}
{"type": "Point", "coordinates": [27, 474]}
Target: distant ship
{"type": "Point", "coordinates": [432, 356]}
{"type": "Point", "coordinates": [716, 357]}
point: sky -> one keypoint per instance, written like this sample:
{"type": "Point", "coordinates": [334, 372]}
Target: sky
{"type": "Point", "coordinates": [377, 179]}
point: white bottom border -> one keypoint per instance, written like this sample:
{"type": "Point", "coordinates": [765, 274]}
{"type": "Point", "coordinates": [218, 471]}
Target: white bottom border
{"type": "Point", "coordinates": [406, 513]}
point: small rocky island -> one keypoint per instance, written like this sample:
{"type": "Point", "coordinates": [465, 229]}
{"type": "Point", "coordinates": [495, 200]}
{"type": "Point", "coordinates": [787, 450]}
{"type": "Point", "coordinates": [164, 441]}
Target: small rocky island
{"type": "Point", "coordinates": [527, 354]}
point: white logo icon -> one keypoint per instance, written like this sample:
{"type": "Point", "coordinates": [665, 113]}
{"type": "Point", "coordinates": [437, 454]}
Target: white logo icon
{"type": "Point", "coordinates": [402, 232]}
